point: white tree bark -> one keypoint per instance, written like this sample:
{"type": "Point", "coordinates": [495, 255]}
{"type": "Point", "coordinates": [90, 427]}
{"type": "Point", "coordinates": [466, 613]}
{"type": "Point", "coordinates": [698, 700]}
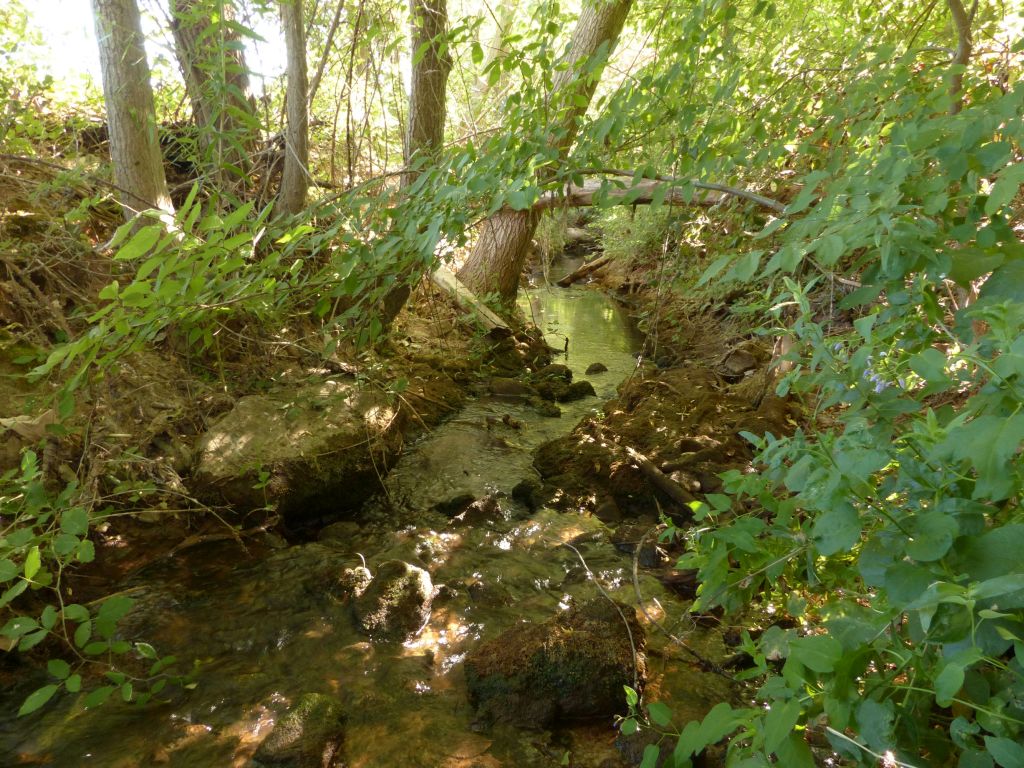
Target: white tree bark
{"type": "Point", "coordinates": [295, 178]}
{"type": "Point", "coordinates": [131, 115]}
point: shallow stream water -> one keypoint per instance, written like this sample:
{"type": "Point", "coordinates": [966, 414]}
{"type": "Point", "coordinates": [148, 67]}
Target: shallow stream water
{"type": "Point", "coordinates": [265, 628]}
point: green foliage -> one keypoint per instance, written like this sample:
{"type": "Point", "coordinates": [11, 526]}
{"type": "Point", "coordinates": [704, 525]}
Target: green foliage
{"type": "Point", "coordinates": [43, 535]}
{"type": "Point", "coordinates": [894, 537]}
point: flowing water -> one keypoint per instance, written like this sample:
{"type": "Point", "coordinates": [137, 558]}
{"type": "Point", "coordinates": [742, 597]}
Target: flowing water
{"type": "Point", "coordinates": [264, 627]}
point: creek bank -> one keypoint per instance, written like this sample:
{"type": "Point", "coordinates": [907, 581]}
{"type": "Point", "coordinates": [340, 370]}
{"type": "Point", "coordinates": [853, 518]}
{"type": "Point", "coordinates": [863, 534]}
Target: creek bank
{"type": "Point", "coordinates": [678, 422]}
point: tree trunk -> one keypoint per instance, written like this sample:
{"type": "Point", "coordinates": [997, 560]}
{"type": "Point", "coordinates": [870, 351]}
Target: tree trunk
{"type": "Point", "coordinates": [427, 105]}
{"type": "Point", "coordinates": [424, 135]}
{"type": "Point", "coordinates": [295, 178]}
{"type": "Point", "coordinates": [500, 252]}
{"type": "Point", "coordinates": [213, 65]}
{"type": "Point", "coordinates": [131, 115]}
{"type": "Point", "coordinates": [964, 46]}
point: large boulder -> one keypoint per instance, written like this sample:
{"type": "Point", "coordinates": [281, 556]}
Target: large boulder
{"type": "Point", "coordinates": [571, 667]}
{"type": "Point", "coordinates": [308, 735]}
{"type": "Point", "coordinates": [313, 451]}
{"type": "Point", "coordinates": [396, 603]}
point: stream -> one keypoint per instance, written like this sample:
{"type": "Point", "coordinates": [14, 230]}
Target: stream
{"type": "Point", "coordinates": [267, 628]}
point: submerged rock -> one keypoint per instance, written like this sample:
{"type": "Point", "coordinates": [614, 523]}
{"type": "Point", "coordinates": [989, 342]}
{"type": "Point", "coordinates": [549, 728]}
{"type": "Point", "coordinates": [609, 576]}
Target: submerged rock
{"type": "Point", "coordinates": [312, 451]}
{"type": "Point", "coordinates": [554, 371]}
{"type": "Point", "coordinates": [577, 391]}
{"type": "Point", "coordinates": [596, 368]}
{"type": "Point", "coordinates": [396, 603]}
{"type": "Point", "coordinates": [571, 667]}
{"type": "Point", "coordinates": [308, 735]}
{"type": "Point", "coordinates": [563, 391]}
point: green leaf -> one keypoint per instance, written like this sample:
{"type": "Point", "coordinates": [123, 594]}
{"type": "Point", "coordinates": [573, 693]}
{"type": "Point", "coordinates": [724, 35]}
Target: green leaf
{"type": "Point", "coordinates": [948, 683]}
{"type": "Point", "coordinates": [83, 633]}
{"type": "Point", "coordinates": [33, 561]}
{"type": "Point", "coordinates": [819, 653]}
{"type": "Point", "coordinates": [876, 723]}
{"type": "Point", "coordinates": [718, 723]}
{"type": "Point", "coordinates": [141, 243]}
{"type": "Point", "coordinates": [930, 365]}
{"type": "Point", "coordinates": [780, 722]}
{"type": "Point", "coordinates": [75, 521]}
{"type": "Point", "coordinates": [1005, 188]}
{"type": "Point", "coordinates": [989, 442]}
{"type": "Point", "coordinates": [793, 752]}
{"type": "Point", "coordinates": [58, 668]}
{"type": "Point", "coordinates": [33, 639]}
{"type": "Point", "coordinates": [716, 267]}
{"type": "Point", "coordinates": [75, 612]}
{"type": "Point", "coordinates": [37, 698]}
{"type": "Point", "coordinates": [837, 529]}
{"type": "Point", "coordinates": [97, 697]}
{"type": "Point", "coordinates": [8, 570]}
{"type": "Point", "coordinates": [145, 650]}
{"type": "Point", "coordinates": [629, 727]}
{"type": "Point", "coordinates": [829, 249]}
{"type": "Point", "coordinates": [660, 713]}
{"type": "Point", "coordinates": [18, 626]}
{"type": "Point", "coordinates": [933, 534]}
{"type": "Point", "coordinates": [650, 758]}
{"type": "Point", "coordinates": [745, 267]}
{"type": "Point", "coordinates": [1007, 752]}
{"type": "Point", "coordinates": [999, 586]}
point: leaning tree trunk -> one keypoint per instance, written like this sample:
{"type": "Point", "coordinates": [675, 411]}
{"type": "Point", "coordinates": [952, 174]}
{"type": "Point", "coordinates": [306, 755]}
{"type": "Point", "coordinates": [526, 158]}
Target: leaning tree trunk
{"type": "Point", "coordinates": [217, 82]}
{"type": "Point", "coordinates": [499, 255]}
{"type": "Point", "coordinates": [424, 133]}
{"type": "Point", "coordinates": [295, 178]}
{"type": "Point", "coordinates": [131, 115]}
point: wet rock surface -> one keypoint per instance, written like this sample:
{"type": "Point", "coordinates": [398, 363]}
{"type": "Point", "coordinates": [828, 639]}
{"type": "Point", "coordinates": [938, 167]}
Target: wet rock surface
{"type": "Point", "coordinates": [308, 735]}
{"type": "Point", "coordinates": [571, 667]}
{"type": "Point", "coordinates": [396, 603]}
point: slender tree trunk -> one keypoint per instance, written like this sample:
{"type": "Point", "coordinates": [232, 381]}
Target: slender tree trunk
{"type": "Point", "coordinates": [295, 177]}
{"type": "Point", "coordinates": [424, 134]}
{"type": "Point", "coordinates": [500, 252]}
{"type": "Point", "coordinates": [213, 65]}
{"type": "Point", "coordinates": [964, 46]}
{"type": "Point", "coordinates": [131, 115]}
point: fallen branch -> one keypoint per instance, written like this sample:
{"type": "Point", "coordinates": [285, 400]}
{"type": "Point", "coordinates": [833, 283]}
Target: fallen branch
{"type": "Point", "coordinates": [582, 196]}
{"type": "Point", "coordinates": [660, 480]}
{"type": "Point", "coordinates": [444, 279]}
{"type": "Point", "coordinates": [583, 270]}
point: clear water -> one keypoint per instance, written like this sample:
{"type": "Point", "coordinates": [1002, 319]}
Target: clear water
{"type": "Point", "coordinates": [265, 628]}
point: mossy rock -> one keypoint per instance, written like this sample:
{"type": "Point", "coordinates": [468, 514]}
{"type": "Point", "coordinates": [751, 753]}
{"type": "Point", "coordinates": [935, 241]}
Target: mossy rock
{"type": "Point", "coordinates": [308, 735]}
{"type": "Point", "coordinates": [571, 667]}
{"type": "Point", "coordinates": [396, 604]}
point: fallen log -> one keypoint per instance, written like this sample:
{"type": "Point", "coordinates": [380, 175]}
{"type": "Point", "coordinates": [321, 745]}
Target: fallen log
{"type": "Point", "coordinates": [446, 280]}
{"type": "Point", "coordinates": [583, 270]}
{"type": "Point", "coordinates": [644, 192]}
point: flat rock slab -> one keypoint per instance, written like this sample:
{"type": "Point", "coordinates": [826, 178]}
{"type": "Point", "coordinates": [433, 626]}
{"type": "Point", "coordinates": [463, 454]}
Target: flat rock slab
{"type": "Point", "coordinates": [311, 451]}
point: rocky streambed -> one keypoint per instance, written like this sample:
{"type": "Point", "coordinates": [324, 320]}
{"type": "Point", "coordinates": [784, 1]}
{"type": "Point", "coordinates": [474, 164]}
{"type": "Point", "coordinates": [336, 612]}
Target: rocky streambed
{"type": "Point", "coordinates": [476, 602]}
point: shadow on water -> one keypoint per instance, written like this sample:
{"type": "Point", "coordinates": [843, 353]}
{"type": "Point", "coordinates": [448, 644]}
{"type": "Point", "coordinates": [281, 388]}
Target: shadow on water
{"type": "Point", "coordinates": [267, 627]}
